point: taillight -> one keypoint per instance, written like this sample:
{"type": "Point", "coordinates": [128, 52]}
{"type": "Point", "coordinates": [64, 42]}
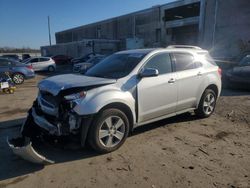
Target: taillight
{"type": "Point", "coordinates": [220, 71]}
{"type": "Point", "coordinates": [30, 67]}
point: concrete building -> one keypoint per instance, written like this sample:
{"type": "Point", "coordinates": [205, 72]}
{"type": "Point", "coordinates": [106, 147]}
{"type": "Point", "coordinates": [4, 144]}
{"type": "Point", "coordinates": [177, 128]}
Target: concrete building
{"type": "Point", "coordinates": [221, 26]}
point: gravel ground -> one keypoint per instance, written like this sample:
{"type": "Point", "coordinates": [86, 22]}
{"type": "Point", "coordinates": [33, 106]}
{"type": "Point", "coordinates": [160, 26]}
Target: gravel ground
{"type": "Point", "coordinates": [178, 152]}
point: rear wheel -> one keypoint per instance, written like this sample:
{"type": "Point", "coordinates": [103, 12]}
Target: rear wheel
{"type": "Point", "coordinates": [51, 69]}
{"type": "Point", "coordinates": [18, 78]}
{"type": "Point", "coordinates": [207, 104]}
{"type": "Point", "coordinates": [109, 131]}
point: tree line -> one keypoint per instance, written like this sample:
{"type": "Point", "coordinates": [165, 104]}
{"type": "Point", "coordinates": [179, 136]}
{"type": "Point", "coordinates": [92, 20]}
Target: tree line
{"type": "Point", "coordinates": [18, 50]}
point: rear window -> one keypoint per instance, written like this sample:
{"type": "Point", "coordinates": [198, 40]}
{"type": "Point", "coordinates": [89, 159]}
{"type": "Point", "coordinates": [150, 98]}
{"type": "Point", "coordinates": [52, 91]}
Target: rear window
{"type": "Point", "coordinates": [207, 57]}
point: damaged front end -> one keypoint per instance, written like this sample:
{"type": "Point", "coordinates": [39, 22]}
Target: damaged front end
{"type": "Point", "coordinates": [53, 115]}
{"type": "Point", "coordinates": [50, 116]}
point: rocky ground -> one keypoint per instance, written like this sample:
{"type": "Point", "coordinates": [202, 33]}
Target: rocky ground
{"type": "Point", "coordinates": [179, 152]}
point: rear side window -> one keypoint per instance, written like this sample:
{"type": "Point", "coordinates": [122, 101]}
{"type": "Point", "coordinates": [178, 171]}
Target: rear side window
{"type": "Point", "coordinates": [43, 59]}
{"type": "Point", "coordinates": [161, 62]}
{"type": "Point", "coordinates": [184, 61]}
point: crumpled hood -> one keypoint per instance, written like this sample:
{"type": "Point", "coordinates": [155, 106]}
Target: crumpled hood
{"type": "Point", "coordinates": [55, 84]}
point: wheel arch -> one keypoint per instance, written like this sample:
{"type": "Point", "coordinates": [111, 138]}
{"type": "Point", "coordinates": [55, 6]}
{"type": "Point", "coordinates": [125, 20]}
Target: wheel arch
{"type": "Point", "coordinates": [124, 108]}
{"type": "Point", "coordinates": [212, 86]}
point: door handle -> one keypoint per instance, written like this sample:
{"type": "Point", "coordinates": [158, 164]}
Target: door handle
{"type": "Point", "coordinates": [199, 74]}
{"type": "Point", "coordinates": [171, 81]}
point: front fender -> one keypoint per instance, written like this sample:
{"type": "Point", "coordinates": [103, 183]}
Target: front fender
{"type": "Point", "coordinates": [96, 100]}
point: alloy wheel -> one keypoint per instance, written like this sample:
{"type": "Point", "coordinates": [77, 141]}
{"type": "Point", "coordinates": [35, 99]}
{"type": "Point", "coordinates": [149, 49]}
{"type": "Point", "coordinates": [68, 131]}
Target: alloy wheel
{"type": "Point", "coordinates": [111, 131]}
{"type": "Point", "coordinates": [18, 78]}
{"type": "Point", "coordinates": [209, 104]}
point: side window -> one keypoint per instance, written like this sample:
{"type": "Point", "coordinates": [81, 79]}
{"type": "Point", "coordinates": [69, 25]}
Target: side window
{"type": "Point", "coordinates": [4, 63]}
{"type": "Point", "coordinates": [43, 59]}
{"type": "Point", "coordinates": [161, 62]}
{"type": "Point", "coordinates": [35, 60]}
{"type": "Point", "coordinates": [245, 61]}
{"type": "Point", "coordinates": [184, 61]}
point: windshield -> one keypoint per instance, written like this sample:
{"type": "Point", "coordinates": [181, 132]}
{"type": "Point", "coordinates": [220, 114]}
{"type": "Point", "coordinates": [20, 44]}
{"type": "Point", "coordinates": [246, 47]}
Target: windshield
{"type": "Point", "coordinates": [115, 66]}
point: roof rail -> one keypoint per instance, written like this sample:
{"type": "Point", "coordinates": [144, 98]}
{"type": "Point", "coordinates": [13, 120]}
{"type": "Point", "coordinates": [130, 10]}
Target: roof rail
{"type": "Point", "coordinates": [185, 46]}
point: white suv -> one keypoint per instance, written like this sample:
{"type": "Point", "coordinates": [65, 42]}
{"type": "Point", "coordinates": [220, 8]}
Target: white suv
{"type": "Point", "coordinates": [126, 90]}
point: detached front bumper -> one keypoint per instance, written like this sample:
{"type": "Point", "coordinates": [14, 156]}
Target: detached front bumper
{"type": "Point", "coordinates": [31, 129]}
{"type": "Point", "coordinates": [23, 148]}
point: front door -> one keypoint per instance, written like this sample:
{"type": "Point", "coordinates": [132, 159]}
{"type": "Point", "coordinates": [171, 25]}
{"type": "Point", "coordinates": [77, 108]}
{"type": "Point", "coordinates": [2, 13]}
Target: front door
{"type": "Point", "coordinates": [157, 96]}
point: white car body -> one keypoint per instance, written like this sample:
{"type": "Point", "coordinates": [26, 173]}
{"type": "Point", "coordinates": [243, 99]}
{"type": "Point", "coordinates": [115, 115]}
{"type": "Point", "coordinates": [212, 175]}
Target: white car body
{"type": "Point", "coordinates": [103, 108]}
{"type": "Point", "coordinates": [41, 63]}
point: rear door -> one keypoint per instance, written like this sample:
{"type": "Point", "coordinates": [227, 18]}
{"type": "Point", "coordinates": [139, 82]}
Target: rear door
{"type": "Point", "coordinates": [44, 63]}
{"type": "Point", "coordinates": [157, 96]}
{"type": "Point", "coordinates": [189, 80]}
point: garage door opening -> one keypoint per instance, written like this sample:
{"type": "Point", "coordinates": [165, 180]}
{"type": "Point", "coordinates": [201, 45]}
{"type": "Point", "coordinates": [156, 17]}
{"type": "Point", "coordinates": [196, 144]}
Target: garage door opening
{"type": "Point", "coordinates": [182, 12]}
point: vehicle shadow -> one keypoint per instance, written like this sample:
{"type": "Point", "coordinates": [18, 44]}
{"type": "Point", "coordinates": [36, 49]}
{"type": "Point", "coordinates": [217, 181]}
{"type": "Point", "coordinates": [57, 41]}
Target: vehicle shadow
{"type": "Point", "coordinates": [186, 117]}
{"type": "Point", "coordinates": [12, 166]}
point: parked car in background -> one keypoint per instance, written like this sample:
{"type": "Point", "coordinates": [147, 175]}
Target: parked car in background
{"type": "Point", "coordinates": [11, 56]}
{"type": "Point", "coordinates": [83, 67]}
{"type": "Point", "coordinates": [25, 56]}
{"type": "Point", "coordinates": [83, 58]}
{"type": "Point", "coordinates": [18, 71]}
{"type": "Point", "coordinates": [41, 64]}
{"type": "Point", "coordinates": [61, 59]}
{"type": "Point", "coordinates": [125, 90]}
{"type": "Point", "coordinates": [239, 75]}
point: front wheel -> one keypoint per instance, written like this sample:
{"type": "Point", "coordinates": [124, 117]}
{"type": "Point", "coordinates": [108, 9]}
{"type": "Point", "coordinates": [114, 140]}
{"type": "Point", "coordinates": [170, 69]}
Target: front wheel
{"type": "Point", "coordinates": [109, 131]}
{"type": "Point", "coordinates": [207, 104]}
{"type": "Point", "coordinates": [18, 78]}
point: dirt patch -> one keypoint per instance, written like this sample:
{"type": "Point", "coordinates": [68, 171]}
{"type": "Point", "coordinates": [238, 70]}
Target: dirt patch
{"type": "Point", "coordinates": [222, 135]}
{"type": "Point", "coordinates": [14, 111]}
{"type": "Point", "coordinates": [180, 152]}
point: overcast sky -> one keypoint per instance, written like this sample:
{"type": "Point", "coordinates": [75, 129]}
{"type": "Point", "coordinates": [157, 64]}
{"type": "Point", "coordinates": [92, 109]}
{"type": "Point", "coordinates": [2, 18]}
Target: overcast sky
{"type": "Point", "coordinates": [23, 23]}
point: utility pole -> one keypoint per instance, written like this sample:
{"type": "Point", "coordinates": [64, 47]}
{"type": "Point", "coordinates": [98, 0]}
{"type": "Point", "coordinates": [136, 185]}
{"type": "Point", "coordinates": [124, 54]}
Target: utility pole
{"type": "Point", "coordinates": [49, 31]}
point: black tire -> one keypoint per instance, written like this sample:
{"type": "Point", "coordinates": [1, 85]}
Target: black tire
{"type": "Point", "coordinates": [93, 136]}
{"type": "Point", "coordinates": [18, 78]}
{"type": "Point", "coordinates": [51, 69]}
{"type": "Point", "coordinates": [202, 111]}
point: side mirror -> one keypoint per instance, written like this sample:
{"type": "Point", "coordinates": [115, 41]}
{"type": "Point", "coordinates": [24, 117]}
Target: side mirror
{"type": "Point", "coordinates": [148, 72]}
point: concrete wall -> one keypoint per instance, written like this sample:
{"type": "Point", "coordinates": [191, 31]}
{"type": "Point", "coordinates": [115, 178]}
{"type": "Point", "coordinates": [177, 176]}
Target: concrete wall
{"type": "Point", "coordinates": [141, 24]}
{"type": "Point", "coordinates": [227, 27]}
{"type": "Point", "coordinates": [222, 26]}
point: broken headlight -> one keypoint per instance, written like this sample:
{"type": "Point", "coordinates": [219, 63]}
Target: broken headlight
{"type": "Point", "coordinates": [80, 95]}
